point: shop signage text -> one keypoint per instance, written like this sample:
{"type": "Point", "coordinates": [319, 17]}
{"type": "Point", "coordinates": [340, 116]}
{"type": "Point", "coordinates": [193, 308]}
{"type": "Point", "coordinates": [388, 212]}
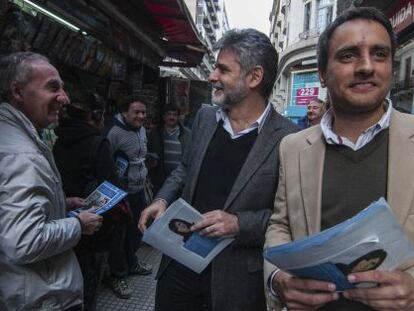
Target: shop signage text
{"type": "Point", "coordinates": [402, 16]}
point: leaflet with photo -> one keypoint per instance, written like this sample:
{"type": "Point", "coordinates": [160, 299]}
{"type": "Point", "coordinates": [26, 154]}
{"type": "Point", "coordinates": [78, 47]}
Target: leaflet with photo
{"type": "Point", "coordinates": [102, 199]}
{"type": "Point", "coordinates": [171, 235]}
{"type": "Point", "coordinates": [370, 240]}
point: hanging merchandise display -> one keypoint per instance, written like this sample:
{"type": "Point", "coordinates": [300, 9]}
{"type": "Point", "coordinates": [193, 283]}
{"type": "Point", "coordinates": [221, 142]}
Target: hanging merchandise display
{"type": "Point", "coordinates": [113, 48]}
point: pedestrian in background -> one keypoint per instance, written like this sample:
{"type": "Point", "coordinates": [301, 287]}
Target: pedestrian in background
{"type": "Point", "coordinates": [315, 109]}
{"type": "Point", "coordinates": [165, 146]}
{"type": "Point", "coordinates": [84, 159]}
{"type": "Point", "coordinates": [129, 148]}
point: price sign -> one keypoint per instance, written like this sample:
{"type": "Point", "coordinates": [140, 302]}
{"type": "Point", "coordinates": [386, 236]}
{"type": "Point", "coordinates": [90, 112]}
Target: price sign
{"type": "Point", "coordinates": [305, 94]}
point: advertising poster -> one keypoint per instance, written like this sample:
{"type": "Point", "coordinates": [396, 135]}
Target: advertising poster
{"type": "Point", "coordinates": [306, 86]}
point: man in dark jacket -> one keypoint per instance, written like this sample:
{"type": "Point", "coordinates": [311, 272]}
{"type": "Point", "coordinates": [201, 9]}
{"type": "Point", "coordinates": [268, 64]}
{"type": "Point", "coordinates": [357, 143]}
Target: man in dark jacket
{"type": "Point", "coordinates": [84, 159]}
{"type": "Point", "coordinates": [165, 146]}
{"type": "Point", "coordinates": [229, 173]}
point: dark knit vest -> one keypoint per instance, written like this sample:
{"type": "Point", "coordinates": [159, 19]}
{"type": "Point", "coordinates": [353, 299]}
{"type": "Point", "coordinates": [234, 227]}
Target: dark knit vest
{"type": "Point", "coordinates": [221, 166]}
{"type": "Point", "coordinates": [351, 181]}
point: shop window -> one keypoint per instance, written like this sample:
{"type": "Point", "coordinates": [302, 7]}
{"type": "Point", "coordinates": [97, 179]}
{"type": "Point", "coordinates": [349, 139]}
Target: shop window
{"type": "Point", "coordinates": [307, 17]}
{"type": "Point", "coordinates": [407, 73]}
{"type": "Point", "coordinates": [325, 14]}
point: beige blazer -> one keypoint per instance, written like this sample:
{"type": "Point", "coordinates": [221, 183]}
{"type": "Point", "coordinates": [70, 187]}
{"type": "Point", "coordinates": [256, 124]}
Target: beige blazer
{"type": "Point", "coordinates": [297, 210]}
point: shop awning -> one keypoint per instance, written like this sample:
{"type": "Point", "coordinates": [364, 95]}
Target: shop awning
{"type": "Point", "coordinates": [166, 23]}
{"type": "Point", "coordinates": [177, 31]}
{"type": "Point", "coordinates": [165, 27]}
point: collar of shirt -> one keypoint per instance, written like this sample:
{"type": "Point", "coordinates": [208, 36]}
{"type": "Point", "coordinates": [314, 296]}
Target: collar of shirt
{"type": "Point", "coordinates": [366, 137]}
{"type": "Point", "coordinates": [221, 114]}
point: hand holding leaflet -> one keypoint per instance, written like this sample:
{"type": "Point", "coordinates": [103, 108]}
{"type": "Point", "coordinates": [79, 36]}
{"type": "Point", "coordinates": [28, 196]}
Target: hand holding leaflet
{"type": "Point", "coordinates": [171, 234]}
{"type": "Point", "coordinates": [102, 199]}
{"type": "Point", "coordinates": [370, 240]}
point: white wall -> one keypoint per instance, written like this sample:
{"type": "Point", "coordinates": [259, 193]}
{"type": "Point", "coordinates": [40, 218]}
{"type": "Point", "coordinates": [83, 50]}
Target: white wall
{"type": "Point", "coordinates": [192, 7]}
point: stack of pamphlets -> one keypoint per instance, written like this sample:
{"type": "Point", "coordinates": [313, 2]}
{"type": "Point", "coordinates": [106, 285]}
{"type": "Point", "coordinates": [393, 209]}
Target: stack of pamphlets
{"type": "Point", "coordinates": [372, 239]}
{"type": "Point", "coordinates": [171, 235]}
{"type": "Point", "coordinates": [102, 199]}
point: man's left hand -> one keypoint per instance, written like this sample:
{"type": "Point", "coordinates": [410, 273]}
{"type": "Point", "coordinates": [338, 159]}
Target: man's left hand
{"type": "Point", "coordinates": [218, 223]}
{"type": "Point", "coordinates": [395, 290]}
{"type": "Point", "coordinates": [75, 202]}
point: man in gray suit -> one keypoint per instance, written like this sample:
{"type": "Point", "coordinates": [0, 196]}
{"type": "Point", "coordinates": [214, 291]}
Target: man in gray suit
{"type": "Point", "coordinates": [229, 173]}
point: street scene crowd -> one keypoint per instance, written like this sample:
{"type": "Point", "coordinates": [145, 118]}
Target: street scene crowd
{"type": "Point", "coordinates": [254, 175]}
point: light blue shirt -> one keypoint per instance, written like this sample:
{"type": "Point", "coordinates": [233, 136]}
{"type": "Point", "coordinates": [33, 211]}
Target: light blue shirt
{"type": "Point", "coordinates": [366, 136]}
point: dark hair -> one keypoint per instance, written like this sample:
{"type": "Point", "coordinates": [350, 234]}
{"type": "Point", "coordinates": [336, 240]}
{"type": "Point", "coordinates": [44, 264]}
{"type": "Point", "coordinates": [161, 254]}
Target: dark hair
{"type": "Point", "coordinates": [170, 107]}
{"type": "Point", "coordinates": [379, 254]}
{"type": "Point", "coordinates": [128, 100]}
{"type": "Point", "coordinates": [367, 13]}
{"type": "Point", "coordinates": [17, 67]}
{"type": "Point", "coordinates": [172, 225]}
{"type": "Point", "coordinates": [253, 48]}
{"type": "Point", "coordinates": [85, 103]}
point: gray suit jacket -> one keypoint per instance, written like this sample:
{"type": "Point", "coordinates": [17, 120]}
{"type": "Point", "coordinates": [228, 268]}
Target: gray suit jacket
{"type": "Point", "coordinates": [297, 211]}
{"type": "Point", "coordinates": [237, 281]}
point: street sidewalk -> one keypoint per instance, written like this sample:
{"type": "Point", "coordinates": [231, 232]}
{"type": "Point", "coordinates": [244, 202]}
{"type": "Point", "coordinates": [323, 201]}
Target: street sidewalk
{"type": "Point", "coordinates": [143, 287]}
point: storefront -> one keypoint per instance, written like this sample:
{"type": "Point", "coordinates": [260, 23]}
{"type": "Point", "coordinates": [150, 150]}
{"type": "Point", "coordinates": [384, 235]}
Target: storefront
{"type": "Point", "coordinates": [401, 16]}
{"type": "Point", "coordinates": [402, 19]}
{"type": "Point", "coordinates": [112, 47]}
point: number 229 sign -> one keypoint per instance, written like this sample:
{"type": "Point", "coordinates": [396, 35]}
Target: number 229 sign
{"type": "Point", "coordinates": [305, 94]}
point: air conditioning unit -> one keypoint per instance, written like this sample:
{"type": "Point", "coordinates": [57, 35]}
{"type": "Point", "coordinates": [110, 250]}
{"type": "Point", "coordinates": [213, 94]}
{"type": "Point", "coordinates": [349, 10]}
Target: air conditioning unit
{"type": "Point", "coordinates": [303, 35]}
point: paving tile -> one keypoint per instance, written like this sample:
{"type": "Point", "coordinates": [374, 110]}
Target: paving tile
{"type": "Point", "coordinates": [143, 287]}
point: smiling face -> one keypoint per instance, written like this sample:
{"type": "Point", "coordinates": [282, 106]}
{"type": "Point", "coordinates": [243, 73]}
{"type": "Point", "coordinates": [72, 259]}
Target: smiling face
{"type": "Point", "coordinates": [228, 80]}
{"type": "Point", "coordinates": [136, 114]}
{"type": "Point", "coordinates": [359, 68]}
{"type": "Point", "coordinates": [42, 97]}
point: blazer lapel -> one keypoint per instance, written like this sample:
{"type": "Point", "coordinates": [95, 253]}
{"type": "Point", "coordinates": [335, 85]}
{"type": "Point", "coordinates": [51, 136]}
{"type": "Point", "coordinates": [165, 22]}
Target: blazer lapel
{"type": "Point", "coordinates": [311, 162]}
{"type": "Point", "coordinates": [265, 142]}
{"type": "Point", "coordinates": [400, 167]}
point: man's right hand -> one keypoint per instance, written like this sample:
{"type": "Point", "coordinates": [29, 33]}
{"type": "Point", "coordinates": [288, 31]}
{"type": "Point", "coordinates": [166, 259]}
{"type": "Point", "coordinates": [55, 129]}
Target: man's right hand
{"type": "Point", "coordinates": [90, 222]}
{"type": "Point", "coordinates": [153, 211]}
{"type": "Point", "coordinates": [301, 294]}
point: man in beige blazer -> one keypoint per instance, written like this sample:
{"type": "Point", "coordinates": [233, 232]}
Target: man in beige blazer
{"type": "Point", "coordinates": [355, 55]}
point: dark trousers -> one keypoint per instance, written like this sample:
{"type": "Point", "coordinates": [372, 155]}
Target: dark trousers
{"type": "Point", "coordinates": [91, 265]}
{"type": "Point", "coordinates": [137, 204]}
{"type": "Point", "coordinates": [122, 251]}
{"type": "Point", "coordinates": [75, 308]}
{"type": "Point", "coordinates": [179, 288]}
{"type": "Point", "coordinates": [126, 239]}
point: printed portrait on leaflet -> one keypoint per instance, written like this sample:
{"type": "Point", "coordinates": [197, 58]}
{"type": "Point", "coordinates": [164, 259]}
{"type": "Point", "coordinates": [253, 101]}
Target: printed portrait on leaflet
{"type": "Point", "coordinates": [181, 227]}
{"type": "Point", "coordinates": [193, 241]}
{"type": "Point", "coordinates": [367, 262]}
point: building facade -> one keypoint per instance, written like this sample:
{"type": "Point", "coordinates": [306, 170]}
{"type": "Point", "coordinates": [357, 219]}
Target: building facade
{"type": "Point", "coordinates": [401, 16]}
{"type": "Point", "coordinates": [211, 21]}
{"type": "Point", "coordinates": [295, 29]}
